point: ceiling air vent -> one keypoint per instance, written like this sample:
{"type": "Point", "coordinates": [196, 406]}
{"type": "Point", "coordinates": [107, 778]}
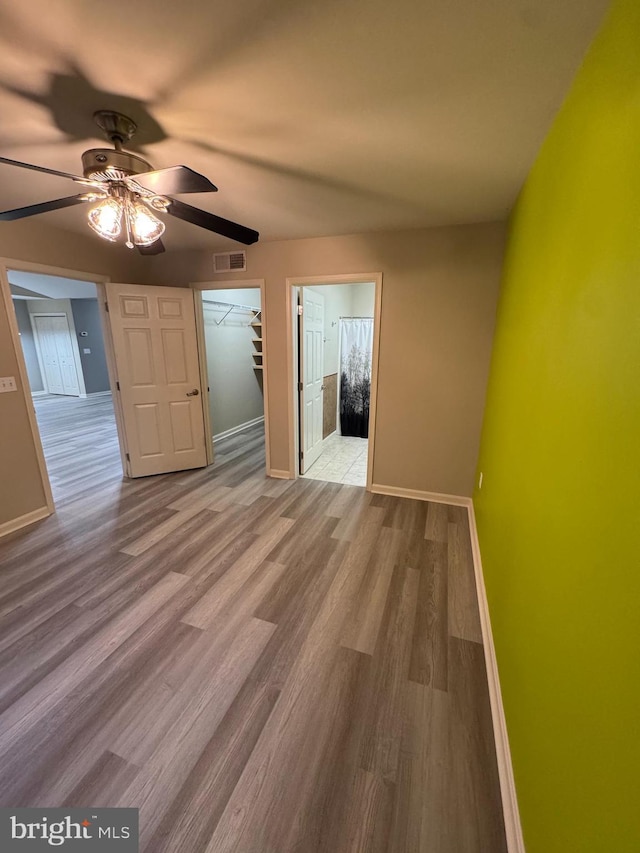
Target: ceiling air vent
{"type": "Point", "coordinates": [230, 262]}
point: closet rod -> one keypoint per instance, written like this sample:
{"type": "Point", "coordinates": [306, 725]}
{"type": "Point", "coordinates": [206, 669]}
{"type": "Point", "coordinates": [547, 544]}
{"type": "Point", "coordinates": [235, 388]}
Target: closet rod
{"type": "Point", "coordinates": [230, 307]}
{"type": "Point", "coordinates": [232, 304]}
{"type": "Point", "coordinates": [356, 318]}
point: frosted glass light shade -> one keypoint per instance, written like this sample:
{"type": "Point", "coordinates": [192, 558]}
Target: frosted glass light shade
{"type": "Point", "coordinates": [106, 218]}
{"type": "Point", "coordinates": [145, 227]}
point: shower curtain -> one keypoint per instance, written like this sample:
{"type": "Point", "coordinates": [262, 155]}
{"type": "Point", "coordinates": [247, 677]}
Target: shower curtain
{"type": "Point", "coordinates": [356, 347]}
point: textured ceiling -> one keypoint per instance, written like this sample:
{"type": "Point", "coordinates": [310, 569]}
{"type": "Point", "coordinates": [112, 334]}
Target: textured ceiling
{"type": "Point", "coordinates": [313, 118]}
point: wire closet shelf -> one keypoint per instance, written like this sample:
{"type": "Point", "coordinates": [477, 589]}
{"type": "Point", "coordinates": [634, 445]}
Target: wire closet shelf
{"type": "Point", "coordinates": [256, 313]}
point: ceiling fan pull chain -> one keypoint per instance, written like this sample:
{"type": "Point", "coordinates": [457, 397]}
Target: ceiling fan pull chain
{"type": "Point", "coordinates": [127, 221]}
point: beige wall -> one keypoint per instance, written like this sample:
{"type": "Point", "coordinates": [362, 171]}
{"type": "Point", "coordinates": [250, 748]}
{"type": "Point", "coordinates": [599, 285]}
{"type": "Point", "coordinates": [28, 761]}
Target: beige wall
{"type": "Point", "coordinates": [21, 490]}
{"type": "Point", "coordinates": [439, 298]}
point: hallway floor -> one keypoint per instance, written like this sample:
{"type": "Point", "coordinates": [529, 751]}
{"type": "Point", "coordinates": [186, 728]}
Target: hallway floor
{"type": "Point", "coordinates": [80, 443]}
{"type": "Point", "coordinates": [260, 666]}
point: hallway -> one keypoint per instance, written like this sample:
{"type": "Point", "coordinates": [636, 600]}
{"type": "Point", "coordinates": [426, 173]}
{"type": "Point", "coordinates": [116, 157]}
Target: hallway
{"type": "Point", "coordinates": [80, 444]}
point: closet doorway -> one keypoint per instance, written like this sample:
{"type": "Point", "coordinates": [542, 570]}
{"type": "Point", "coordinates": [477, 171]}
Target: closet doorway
{"type": "Point", "coordinates": [233, 333]}
{"type": "Point", "coordinates": [334, 366]}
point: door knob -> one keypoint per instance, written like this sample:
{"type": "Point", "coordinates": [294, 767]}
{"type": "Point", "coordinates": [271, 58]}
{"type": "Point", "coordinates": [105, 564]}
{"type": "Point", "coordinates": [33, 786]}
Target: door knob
{"type": "Point", "coordinates": [193, 393]}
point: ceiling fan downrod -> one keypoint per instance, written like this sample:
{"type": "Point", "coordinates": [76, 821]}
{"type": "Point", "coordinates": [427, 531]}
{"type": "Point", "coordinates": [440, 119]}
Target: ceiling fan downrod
{"type": "Point", "coordinates": [99, 163]}
{"type": "Point", "coordinates": [117, 127]}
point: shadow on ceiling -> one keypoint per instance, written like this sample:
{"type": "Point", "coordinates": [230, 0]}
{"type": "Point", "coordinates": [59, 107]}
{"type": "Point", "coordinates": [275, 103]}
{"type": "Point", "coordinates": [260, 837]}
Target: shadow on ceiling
{"type": "Point", "coordinates": [71, 101]}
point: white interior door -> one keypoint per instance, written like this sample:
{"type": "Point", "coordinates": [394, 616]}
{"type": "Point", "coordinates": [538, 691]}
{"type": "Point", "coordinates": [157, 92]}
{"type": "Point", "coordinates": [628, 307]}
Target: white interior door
{"type": "Point", "coordinates": [56, 352]}
{"type": "Point", "coordinates": [65, 356]}
{"type": "Point", "coordinates": [48, 355]}
{"type": "Point", "coordinates": [156, 353]}
{"type": "Point", "coordinates": [311, 372]}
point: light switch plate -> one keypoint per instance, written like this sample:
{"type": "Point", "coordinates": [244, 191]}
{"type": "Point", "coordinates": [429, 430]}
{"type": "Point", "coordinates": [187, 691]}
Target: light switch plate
{"type": "Point", "coordinates": [7, 383]}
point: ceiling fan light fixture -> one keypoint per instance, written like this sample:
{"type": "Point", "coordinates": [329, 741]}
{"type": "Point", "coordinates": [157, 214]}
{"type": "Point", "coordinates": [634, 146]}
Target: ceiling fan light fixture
{"type": "Point", "coordinates": [129, 192]}
{"type": "Point", "coordinates": [106, 218]}
{"type": "Point", "coordinates": [145, 227]}
{"type": "Point", "coordinates": [94, 195]}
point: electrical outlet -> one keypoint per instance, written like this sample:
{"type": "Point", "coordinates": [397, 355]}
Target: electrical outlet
{"type": "Point", "coordinates": [7, 383]}
{"type": "Point", "coordinates": [480, 480]}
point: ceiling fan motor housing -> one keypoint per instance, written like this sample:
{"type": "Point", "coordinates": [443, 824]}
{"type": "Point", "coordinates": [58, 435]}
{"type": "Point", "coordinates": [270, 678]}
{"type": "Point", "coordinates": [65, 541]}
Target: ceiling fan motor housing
{"type": "Point", "coordinates": [100, 163]}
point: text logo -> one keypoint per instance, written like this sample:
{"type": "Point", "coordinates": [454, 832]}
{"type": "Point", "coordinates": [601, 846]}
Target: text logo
{"type": "Point", "coordinates": [87, 830]}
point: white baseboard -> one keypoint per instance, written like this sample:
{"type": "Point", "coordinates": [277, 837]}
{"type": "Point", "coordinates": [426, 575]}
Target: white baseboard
{"type": "Point", "coordinates": [279, 474]}
{"type": "Point", "coordinates": [24, 520]}
{"type": "Point", "coordinates": [236, 429]}
{"type": "Point", "coordinates": [99, 394]}
{"type": "Point", "coordinates": [416, 495]}
{"type": "Point", "coordinates": [39, 393]}
{"type": "Point", "coordinates": [513, 828]}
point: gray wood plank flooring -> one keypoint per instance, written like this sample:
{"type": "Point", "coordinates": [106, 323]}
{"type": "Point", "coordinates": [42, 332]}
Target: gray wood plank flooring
{"type": "Point", "coordinates": [261, 666]}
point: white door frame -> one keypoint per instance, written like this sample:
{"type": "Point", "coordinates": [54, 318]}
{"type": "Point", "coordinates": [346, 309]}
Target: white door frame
{"type": "Point", "coordinates": [235, 284]}
{"type": "Point", "coordinates": [292, 314]}
{"type": "Point", "coordinates": [7, 264]}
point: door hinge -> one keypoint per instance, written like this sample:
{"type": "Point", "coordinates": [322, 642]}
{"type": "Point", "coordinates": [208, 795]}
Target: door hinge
{"type": "Point", "coordinates": [128, 457]}
{"type": "Point", "coordinates": [118, 385]}
{"type": "Point", "coordinates": [106, 307]}
{"type": "Point", "coordinates": [300, 386]}
{"type": "Point", "coordinates": [301, 455]}
{"type": "Point", "coordinates": [300, 310]}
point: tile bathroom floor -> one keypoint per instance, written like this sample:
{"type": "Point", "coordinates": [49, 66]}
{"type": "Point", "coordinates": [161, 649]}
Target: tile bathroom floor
{"type": "Point", "coordinates": [343, 460]}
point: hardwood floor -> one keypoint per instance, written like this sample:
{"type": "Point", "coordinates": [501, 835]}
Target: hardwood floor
{"type": "Point", "coordinates": [261, 666]}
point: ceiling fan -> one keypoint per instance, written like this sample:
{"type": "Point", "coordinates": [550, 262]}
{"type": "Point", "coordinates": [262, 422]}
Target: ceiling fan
{"type": "Point", "coordinates": [130, 193]}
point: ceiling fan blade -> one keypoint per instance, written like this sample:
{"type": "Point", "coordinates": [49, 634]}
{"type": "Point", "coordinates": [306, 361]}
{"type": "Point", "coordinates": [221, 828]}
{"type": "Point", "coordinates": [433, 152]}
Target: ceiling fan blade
{"type": "Point", "coordinates": [211, 222]}
{"type": "Point", "coordinates": [156, 248]}
{"type": "Point", "coordinates": [43, 207]}
{"type": "Point", "coordinates": [175, 179]}
{"type": "Point", "coordinates": [8, 162]}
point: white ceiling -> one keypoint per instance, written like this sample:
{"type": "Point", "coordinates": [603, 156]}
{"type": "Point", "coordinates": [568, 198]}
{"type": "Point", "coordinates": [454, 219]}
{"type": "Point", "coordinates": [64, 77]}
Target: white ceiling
{"type": "Point", "coordinates": [313, 118]}
{"type": "Point", "coordinates": [49, 286]}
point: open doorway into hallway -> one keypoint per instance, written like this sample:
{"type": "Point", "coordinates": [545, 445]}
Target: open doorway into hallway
{"type": "Point", "coordinates": [334, 362]}
{"type": "Point", "coordinates": [62, 343]}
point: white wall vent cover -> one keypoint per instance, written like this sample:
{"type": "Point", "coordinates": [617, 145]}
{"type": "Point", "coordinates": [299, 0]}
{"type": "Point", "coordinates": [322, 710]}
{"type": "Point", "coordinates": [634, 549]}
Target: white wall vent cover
{"type": "Point", "coordinates": [230, 262]}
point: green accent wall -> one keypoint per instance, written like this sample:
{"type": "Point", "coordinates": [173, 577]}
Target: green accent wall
{"type": "Point", "coordinates": [559, 510]}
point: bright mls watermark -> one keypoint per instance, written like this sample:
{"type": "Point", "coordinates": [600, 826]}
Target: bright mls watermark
{"type": "Point", "coordinates": [86, 830]}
